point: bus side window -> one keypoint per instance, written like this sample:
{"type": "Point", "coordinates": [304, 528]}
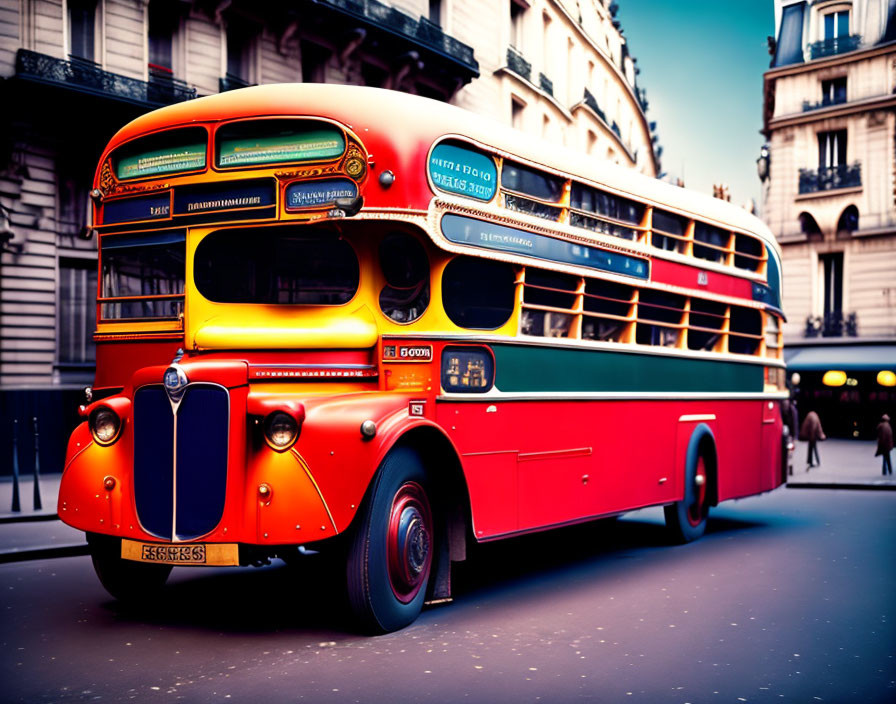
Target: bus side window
{"type": "Point", "coordinates": [478, 294]}
{"type": "Point", "coordinates": [405, 267]}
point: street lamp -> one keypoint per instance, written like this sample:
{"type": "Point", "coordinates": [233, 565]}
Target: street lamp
{"type": "Point", "coordinates": [762, 163]}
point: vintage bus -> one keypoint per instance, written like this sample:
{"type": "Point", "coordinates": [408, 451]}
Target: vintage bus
{"type": "Point", "coordinates": [352, 320]}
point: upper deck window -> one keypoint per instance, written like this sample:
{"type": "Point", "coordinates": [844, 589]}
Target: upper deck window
{"type": "Point", "coordinates": [286, 265]}
{"type": "Point", "coordinates": [174, 151]}
{"type": "Point", "coordinates": [145, 273]}
{"type": "Point", "coordinates": [261, 142]}
{"type": "Point", "coordinates": [522, 179]}
{"type": "Point", "coordinates": [669, 231]}
{"type": "Point", "coordinates": [605, 205]}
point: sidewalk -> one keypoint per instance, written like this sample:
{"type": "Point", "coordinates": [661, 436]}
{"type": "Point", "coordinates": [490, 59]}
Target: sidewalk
{"type": "Point", "coordinates": [845, 464]}
{"type": "Point", "coordinates": [32, 534]}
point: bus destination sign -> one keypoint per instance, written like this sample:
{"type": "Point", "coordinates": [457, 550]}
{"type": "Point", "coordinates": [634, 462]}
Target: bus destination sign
{"type": "Point", "coordinates": [234, 195]}
{"type": "Point", "coordinates": [152, 207]}
{"type": "Point", "coordinates": [489, 235]}
{"type": "Point", "coordinates": [161, 161]}
{"type": "Point", "coordinates": [315, 144]}
{"type": "Point", "coordinates": [463, 171]}
{"type": "Point", "coordinates": [316, 194]}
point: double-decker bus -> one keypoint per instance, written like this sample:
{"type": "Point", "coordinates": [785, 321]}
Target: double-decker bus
{"type": "Point", "coordinates": [349, 319]}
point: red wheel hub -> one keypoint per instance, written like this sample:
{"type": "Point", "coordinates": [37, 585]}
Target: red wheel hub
{"type": "Point", "coordinates": [697, 508]}
{"type": "Point", "coordinates": [409, 541]}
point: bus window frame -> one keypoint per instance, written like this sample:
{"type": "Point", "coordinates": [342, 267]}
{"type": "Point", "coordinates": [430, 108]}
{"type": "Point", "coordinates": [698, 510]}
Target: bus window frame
{"type": "Point", "coordinates": [110, 160]}
{"type": "Point", "coordinates": [347, 137]}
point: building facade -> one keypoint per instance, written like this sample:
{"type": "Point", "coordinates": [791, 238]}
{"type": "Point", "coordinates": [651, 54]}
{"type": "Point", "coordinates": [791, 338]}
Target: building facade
{"type": "Point", "coordinates": [830, 198]}
{"type": "Point", "coordinates": [73, 71]}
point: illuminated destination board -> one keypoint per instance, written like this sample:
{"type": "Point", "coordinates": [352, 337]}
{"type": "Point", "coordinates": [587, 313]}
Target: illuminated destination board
{"type": "Point", "coordinates": [462, 171]}
{"type": "Point", "coordinates": [262, 142]}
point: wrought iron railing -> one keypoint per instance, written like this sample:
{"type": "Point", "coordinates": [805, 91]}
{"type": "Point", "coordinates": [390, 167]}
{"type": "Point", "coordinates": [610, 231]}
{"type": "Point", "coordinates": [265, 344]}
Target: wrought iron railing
{"type": "Point", "coordinates": [517, 64]}
{"type": "Point", "coordinates": [394, 21]}
{"type": "Point", "coordinates": [830, 178]}
{"type": "Point", "coordinates": [88, 77]}
{"type": "Point", "coordinates": [591, 102]}
{"type": "Point", "coordinates": [823, 103]}
{"type": "Point", "coordinates": [833, 324]}
{"type": "Point", "coordinates": [832, 47]}
{"type": "Point", "coordinates": [230, 82]}
{"type": "Point", "coordinates": [546, 84]}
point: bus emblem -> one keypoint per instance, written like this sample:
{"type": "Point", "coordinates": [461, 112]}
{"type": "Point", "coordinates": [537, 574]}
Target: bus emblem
{"type": "Point", "coordinates": [702, 278]}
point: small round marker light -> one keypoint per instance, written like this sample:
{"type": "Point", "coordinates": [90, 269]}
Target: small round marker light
{"type": "Point", "coordinates": [368, 429]}
{"type": "Point", "coordinates": [280, 430]}
{"type": "Point", "coordinates": [109, 483]}
{"type": "Point", "coordinates": [265, 492]}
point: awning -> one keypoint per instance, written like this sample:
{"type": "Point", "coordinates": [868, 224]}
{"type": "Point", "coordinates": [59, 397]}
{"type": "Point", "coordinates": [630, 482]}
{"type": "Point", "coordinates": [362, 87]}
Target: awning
{"type": "Point", "coordinates": [853, 358]}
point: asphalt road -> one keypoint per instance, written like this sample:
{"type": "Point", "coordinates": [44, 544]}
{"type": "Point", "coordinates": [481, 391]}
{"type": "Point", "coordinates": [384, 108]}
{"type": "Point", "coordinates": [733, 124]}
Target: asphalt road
{"type": "Point", "coordinates": [788, 598]}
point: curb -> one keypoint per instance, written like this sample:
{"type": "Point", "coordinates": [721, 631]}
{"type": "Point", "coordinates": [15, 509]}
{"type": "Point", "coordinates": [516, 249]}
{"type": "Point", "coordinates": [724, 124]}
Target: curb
{"type": "Point", "coordinates": [28, 517]}
{"type": "Point", "coordinates": [44, 553]}
{"type": "Point", "coordinates": [841, 485]}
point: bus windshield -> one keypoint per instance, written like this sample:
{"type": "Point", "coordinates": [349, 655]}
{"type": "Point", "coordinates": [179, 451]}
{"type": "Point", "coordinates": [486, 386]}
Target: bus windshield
{"type": "Point", "coordinates": [286, 265]}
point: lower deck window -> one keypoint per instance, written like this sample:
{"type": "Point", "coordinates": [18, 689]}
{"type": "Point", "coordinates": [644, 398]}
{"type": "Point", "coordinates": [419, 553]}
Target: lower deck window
{"type": "Point", "coordinates": [478, 294]}
{"type": "Point", "coordinates": [282, 265]}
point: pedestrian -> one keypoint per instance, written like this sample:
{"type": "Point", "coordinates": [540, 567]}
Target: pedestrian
{"type": "Point", "coordinates": [811, 432]}
{"type": "Point", "coordinates": [885, 443]}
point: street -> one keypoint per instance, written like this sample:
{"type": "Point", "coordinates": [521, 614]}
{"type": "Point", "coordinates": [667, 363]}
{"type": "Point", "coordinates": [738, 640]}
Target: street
{"type": "Point", "coordinates": [789, 597]}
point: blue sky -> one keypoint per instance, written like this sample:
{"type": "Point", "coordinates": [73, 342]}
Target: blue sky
{"type": "Point", "coordinates": [701, 62]}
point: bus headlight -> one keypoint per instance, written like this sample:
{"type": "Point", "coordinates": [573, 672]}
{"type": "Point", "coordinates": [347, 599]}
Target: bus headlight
{"type": "Point", "coordinates": [104, 425]}
{"type": "Point", "coordinates": [280, 430]}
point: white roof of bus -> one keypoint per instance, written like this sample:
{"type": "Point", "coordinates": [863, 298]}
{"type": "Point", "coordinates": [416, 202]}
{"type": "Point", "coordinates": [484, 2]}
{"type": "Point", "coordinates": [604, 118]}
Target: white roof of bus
{"type": "Point", "coordinates": [421, 118]}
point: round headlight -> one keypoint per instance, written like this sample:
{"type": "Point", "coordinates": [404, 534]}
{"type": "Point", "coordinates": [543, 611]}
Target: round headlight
{"type": "Point", "coordinates": [105, 424]}
{"type": "Point", "coordinates": [281, 430]}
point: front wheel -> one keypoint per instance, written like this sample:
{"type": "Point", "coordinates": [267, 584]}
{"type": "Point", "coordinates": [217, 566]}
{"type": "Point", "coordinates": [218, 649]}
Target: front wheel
{"type": "Point", "coordinates": [686, 519]}
{"type": "Point", "coordinates": [128, 581]}
{"type": "Point", "coordinates": [390, 556]}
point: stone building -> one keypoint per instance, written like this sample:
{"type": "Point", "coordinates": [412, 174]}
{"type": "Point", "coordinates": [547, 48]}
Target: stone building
{"type": "Point", "coordinates": [73, 71]}
{"type": "Point", "coordinates": [830, 198]}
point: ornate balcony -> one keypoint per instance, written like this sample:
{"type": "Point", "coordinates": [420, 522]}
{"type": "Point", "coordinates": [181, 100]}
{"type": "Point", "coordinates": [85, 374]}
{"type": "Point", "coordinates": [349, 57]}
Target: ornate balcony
{"type": "Point", "coordinates": [832, 47]}
{"type": "Point", "coordinates": [546, 84]}
{"type": "Point", "coordinates": [88, 77]}
{"type": "Point", "coordinates": [591, 102]}
{"type": "Point", "coordinates": [517, 64]}
{"type": "Point", "coordinates": [229, 82]}
{"type": "Point", "coordinates": [830, 178]}
{"type": "Point", "coordinates": [823, 103]}
{"type": "Point", "coordinates": [420, 32]}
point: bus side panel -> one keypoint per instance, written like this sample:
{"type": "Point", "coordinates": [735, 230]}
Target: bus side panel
{"type": "Point", "coordinates": [117, 361]}
{"type": "Point", "coordinates": [738, 441]}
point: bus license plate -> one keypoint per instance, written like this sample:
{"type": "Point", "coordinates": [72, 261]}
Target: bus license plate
{"type": "Point", "coordinates": [181, 554]}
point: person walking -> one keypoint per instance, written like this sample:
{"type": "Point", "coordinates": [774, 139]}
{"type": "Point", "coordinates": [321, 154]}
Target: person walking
{"type": "Point", "coordinates": [811, 432]}
{"type": "Point", "coordinates": [885, 443]}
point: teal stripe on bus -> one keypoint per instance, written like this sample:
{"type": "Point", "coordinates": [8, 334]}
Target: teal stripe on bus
{"type": "Point", "coordinates": [530, 368]}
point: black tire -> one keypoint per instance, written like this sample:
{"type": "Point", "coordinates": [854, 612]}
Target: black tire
{"type": "Point", "coordinates": [129, 582]}
{"type": "Point", "coordinates": [686, 519]}
{"type": "Point", "coordinates": [390, 555]}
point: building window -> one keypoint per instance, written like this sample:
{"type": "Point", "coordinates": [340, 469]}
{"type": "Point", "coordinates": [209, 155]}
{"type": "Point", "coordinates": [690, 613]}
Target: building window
{"type": "Point", "coordinates": [82, 29]}
{"type": "Point", "coordinates": [435, 12]}
{"type": "Point", "coordinates": [831, 149]}
{"type": "Point", "coordinates": [77, 311]}
{"type": "Point", "coordinates": [162, 24]}
{"type": "Point", "coordinates": [833, 91]}
{"type": "Point", "coordinates": [314, 62]}
{"type": "Point", "coordinates": [517, 14]}
{"type": "Point", "coordinates": [789, 48]}
{"type": "Point", "coordinates": [831, 270]}
{"type": "Point", "coordinates": [836, 24]}
{"type": "Point", "coordinates": [516, 112]}
{"type": "Point", "coordinates": [240, 45]}
{"type": "Point", "coordinates": [547, 53]}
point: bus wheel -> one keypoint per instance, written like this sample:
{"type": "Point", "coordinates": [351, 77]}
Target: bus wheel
{"type": "Point", "coordinates": [127, 581]}
{"type": "Point", "coordinates": [390, 556]}
{"type": "Point", "coordinates": [686, 519]}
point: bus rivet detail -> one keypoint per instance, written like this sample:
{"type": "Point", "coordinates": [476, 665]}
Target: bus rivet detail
{"type": "Point", "coordinates": [109, 483]}
{"type": "Point", "coordinates": [368, 429]}
{"type": "Point", "coordinates": [387, 178]}
{"type": "Point", "coordinates": [265, 491]}
{"type": "Point", "coordinates": [699, 480]}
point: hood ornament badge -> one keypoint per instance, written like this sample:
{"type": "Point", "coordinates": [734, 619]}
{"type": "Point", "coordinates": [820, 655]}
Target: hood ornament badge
{"type": "Point", "coordinates": [175, 381]}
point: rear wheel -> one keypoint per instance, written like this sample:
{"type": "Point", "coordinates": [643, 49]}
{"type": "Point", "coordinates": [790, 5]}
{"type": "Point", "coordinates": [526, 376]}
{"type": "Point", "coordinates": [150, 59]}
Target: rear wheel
{"type": "Point", "coordinates": [686, 519]}
{"type": "Point", "coordinates": [390, 556]}
{"type": "Point", "coordinates": [127, 581]}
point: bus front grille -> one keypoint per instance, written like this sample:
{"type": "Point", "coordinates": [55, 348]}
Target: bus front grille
{"type": "Point", "coordinates": [180, 461]}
